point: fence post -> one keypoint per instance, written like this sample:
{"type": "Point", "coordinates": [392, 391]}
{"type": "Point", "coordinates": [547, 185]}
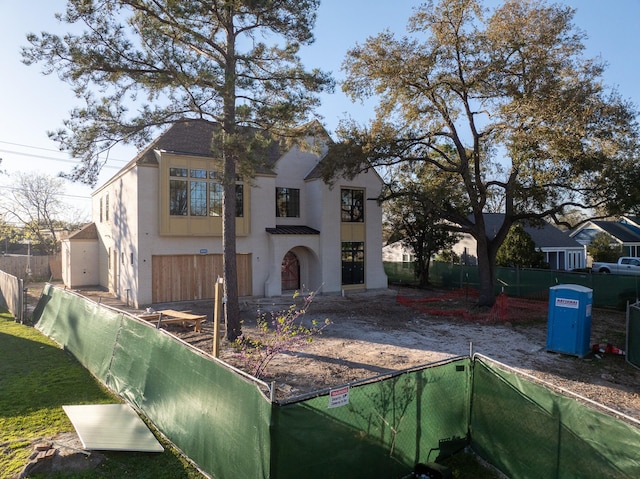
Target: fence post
{"type": "Point", "coordinates": [22, 309]}
{"type": "Point", "coordinates": [217, 312]}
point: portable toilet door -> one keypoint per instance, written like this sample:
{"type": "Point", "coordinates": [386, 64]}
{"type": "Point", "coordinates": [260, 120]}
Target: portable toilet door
{"type": "Point", "coordinates": [569, 319]}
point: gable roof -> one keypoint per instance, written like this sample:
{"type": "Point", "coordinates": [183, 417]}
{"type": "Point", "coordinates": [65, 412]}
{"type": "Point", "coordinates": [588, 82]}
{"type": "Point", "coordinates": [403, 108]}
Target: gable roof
{"type": "Point", "coordinates": [624, 232]}
{"type": "Point", "coordinates": [544, 235]}
{"type": "Point", "coordinates": [194, 138]}
{"type": "Point", "coordinates": [88, 232]}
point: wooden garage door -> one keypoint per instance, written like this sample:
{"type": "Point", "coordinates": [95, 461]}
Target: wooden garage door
{"type": "Point", "coordinates": [188, 277]}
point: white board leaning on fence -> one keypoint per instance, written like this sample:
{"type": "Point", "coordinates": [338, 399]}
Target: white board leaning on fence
{"type": "Point", "coordinates": [111, 427]}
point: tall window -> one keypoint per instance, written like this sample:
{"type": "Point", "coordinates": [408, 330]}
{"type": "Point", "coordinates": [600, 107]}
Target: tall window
{"type": "Point", "coordinates": [215, 199]}
{"type": "Point", "coordinates": [106, 206]}
{"type": "Point", "coordinates": [352, 204]}
{"type": "Point", "coordinates": [198, 192]}
{"type": "Point", "coordinates": [287, 203]}
{"type": "Point", "coordinates": [353, 262]}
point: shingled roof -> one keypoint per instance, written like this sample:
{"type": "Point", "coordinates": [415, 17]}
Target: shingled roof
{"type": "Point", "coordinates": [624, 232]}
{"type": "Point", "coordinates": [88, 232]}
{"type": "Point", "coordinates": [544, 235]}
{"type": "Point", "coordinates": [193, 137]}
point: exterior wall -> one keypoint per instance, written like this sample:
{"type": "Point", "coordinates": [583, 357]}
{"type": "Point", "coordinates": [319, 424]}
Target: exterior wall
{"type": "Point", "coordinates": [119, 255]}
{"type": "Point", "coordinates": [559, 258]}
{"type": "Point", "coordinates": [261, 208]}
{"type": "Point", "coordinates": [466, 248]}
{"type": "Point", "coordinates": [331, 249]}
{"type": "Point", "coordinates": [82, 270]}
{"type": "Point", "coordinates": [397, 253]}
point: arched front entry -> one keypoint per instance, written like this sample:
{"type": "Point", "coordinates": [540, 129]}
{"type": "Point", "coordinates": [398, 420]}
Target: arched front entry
{"type": "Point", "coordinates": [290, 272]}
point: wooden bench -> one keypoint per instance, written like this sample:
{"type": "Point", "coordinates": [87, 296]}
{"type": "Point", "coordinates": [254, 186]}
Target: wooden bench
{"type": "Point", "coordinates": [171, 316]}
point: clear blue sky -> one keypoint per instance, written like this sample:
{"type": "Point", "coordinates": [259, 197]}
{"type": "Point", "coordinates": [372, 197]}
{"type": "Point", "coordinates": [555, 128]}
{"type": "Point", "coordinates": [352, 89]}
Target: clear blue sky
{"type": "Point", "coordinates": [31, 103]}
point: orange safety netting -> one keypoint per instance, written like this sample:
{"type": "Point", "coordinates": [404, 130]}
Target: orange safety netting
{"type": "Point", "coordinates": [462, 303]}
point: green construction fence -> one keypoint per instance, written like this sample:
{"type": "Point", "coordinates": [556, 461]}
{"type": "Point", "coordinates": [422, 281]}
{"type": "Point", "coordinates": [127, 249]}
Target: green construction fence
{"type": "Point", "coordinates": [609, 290]}
{"type": "Point", "coordinates": [225, 422]}
{"type": "Point", "coordinates": [529, 431]}
{"type": "Point", "coordinates": [632, 349]}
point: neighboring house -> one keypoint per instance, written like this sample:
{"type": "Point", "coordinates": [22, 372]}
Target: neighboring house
{"type": "Point", "coordinates": [398, 252]}
{"type": "Point", "coordinates": [156, 234]}
{"type": "Point", "coordinates": [561, 251]}
{"type": "Point", "coordinates": [624, 232]}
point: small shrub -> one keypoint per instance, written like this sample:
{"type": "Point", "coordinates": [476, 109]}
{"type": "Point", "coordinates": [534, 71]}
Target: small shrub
{"type": "Point", "coordinates": [282, 331]}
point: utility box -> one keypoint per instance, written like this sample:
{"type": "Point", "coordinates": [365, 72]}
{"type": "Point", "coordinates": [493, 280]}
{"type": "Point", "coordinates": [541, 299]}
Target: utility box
{"type": "Point", "coordinates": [569, 319]}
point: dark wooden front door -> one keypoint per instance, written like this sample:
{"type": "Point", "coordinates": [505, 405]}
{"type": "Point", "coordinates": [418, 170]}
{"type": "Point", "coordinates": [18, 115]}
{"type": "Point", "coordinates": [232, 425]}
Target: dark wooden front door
{"type": "Point", "coordinates": [290, 272]}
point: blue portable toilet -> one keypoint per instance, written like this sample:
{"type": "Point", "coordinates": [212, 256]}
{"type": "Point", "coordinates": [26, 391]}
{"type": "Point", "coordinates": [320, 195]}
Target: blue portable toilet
{"type": "Point", "coordinates": [569, 319]}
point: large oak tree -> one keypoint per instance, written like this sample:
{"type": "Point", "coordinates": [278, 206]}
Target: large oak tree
{"type": "Point", "coordinates": [142, 64]}
{"type": "Point", "coordinates": [504, 104]}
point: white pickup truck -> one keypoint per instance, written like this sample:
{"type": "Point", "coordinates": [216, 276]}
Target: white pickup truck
{"type": "Point", "coordinates": [625, 265]}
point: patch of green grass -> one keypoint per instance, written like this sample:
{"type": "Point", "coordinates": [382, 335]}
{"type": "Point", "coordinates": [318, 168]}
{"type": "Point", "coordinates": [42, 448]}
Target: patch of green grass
{"type": "Point", "coordinates": [36, 379]}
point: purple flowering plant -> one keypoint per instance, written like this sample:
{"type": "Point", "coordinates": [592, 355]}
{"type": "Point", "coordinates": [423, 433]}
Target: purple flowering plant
{"type": "Point", "coordinates": [282, 331]}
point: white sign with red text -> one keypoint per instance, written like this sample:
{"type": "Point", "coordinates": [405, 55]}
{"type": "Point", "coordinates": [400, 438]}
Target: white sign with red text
{"type": "Point", "coordinates": [567, 303]}
{"type": "Point", "coordinates": [339, 397]}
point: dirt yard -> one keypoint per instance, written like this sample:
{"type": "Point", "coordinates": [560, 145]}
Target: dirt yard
{"type": "Point", "coordinates": [373, 333]}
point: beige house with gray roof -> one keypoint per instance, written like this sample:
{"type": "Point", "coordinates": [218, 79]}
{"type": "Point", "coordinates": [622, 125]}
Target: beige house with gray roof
{"type": "Point", "coordinates": [156, 234]}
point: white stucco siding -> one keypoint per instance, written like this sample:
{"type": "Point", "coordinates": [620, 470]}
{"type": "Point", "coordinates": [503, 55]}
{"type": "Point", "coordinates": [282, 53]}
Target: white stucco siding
{"type": "Point", "coordinates": [81, 271]}
{"type": "Point", "coordinates": [305, 247]}
{"type": "Point", "coordinates": [375, 277]}
{"type": "Point", "coordinates": [330, 252]}
{"type": "Point", "coordinates": [125, 228]}
{"type": "Point", "coordinates": [314, 193]}
{"type": "Point", "coordinates": [262, 208]}
{"type": "Point", "coordinates": [291, 171]}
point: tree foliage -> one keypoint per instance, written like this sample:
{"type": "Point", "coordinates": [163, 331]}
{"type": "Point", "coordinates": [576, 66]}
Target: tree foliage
{"type": "Point", "coordinates": [504, 104]}
{"type": "Point", "coordinates": [141, 64]}
{"type": "Point", "coordinates": [604, 248]}
{"type": "Point", "coordinates": [409, 199]}
{"type": "Point", "coordinates": [519, 250]}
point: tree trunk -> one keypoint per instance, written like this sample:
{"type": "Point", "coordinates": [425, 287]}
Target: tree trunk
{"type": "Point", "coordinates": [230, 157]}
{"type": "Point", "coordinates": [486, 272]}
{"type": "Point", "coordinates": [232, 308]}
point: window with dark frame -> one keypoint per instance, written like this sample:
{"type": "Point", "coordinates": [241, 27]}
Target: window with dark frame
{"type": "Point", "coordinates": [193, 193]}
{"type": "Point", "coordinates": [352, 262]}
{"type": "Point", "coordinates": [352, 205]}
{"type": "Point", "coordinates": [287, 203]}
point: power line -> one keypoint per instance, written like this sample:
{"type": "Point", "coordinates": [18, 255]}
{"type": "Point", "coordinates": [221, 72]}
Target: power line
{"type": "Point", "coordinates": [13, 188]}
{"type": "Point", "coordinates": [47, 149]}
{"type": "Point", "coordinates": [50, 158]}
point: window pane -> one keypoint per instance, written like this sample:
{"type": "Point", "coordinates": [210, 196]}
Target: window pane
{"type": "Point", "coordinates": [215, 199]}
{"type": "Point", "coordinates": [182, 172]}
{"type": "Point", "coordinates": [197, 173]}
{"type": "Point", "coordinates": [239, 201]}
{"type": "Point", "coordinates": [287, 202]}
{"type": "Point", "coordinates": [178, 197]}
{"type": "Point", "coordinates": [198, 198]}
{"type": "Point", "coordinates": [352, 262]}
{"type": "Point", "coordinates": [352, 205]}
